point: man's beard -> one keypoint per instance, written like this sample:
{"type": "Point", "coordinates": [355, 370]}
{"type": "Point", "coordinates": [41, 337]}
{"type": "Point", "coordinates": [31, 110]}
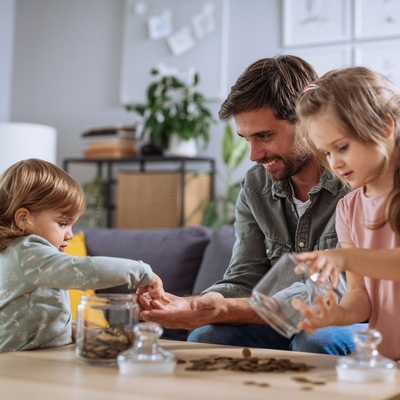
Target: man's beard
{"type": "Point", "coordinates": [294, 162]}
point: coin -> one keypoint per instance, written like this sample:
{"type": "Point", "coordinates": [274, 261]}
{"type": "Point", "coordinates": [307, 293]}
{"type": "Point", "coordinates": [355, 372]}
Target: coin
{"type": "Point", "coordinates": [247, 363]}
{"type": "Point", "coordinates": [104, 343]}
{"type": "Point", "coordinates": [246, 353]}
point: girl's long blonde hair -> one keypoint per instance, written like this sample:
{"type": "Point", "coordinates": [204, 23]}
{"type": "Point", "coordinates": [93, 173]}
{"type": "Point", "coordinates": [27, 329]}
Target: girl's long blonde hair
{"type": "Point", "coordinates": [366, 105]}
{"type": "Point", "coordinates": [38, 186]}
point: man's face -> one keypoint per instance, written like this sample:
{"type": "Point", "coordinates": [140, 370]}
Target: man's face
{"type": "Point", "coordinates": [273, 143]}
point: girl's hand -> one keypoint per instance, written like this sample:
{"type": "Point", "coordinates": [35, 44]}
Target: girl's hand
{"type": "Point", "coordinates": [329, 263]}
{"type": "Point", "coordinates": [154, 289]}
{"type": "Point", "coordinates": [326, 312]}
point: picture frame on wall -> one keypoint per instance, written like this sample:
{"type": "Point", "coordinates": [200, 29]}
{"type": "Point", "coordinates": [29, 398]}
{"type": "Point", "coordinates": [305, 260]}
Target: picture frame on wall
{"type": "Point", "coordinates": [177, 49]}
{"type": "Point", "coordinates": [309, 22]}
{"type": "Point", "coordinates": [325, 58]}
{"type": "Point", "coordinates": [382, 57]}
{"type": "Point", "coordinates": [376, 19]}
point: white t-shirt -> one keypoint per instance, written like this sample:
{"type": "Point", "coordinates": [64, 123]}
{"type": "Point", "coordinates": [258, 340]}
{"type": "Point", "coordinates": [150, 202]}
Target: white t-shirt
{"type": "Point", "coordinates": [301, 206]}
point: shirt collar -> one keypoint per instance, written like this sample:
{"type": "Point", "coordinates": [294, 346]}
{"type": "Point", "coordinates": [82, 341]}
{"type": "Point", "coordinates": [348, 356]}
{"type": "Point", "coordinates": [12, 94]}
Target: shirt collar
{"type": "Point", "coordinates": [328, 181]}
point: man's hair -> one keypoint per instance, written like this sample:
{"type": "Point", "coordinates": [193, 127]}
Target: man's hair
{"type": "Point", "coordinates": [270, 82]}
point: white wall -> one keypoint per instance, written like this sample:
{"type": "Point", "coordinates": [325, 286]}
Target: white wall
{"type": "Point", "coordinates": [7, 18]}
{"type": "Point", "coordinates": [67, 55]}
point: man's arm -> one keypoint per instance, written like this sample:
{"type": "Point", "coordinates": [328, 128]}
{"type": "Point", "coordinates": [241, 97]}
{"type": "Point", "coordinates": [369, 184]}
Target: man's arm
{"type": "Point", "coordinates": [194, 311]}
{"type": "Point", "coordinates": [227, 301]}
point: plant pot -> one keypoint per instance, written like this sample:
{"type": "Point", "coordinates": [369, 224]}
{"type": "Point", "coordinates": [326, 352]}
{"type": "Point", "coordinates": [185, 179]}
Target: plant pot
{"type": "Point", "coordinates": [182, 148]}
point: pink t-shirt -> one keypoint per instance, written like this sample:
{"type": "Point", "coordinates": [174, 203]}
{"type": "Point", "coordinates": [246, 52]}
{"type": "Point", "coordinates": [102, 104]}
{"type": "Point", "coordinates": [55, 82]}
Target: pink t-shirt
{"type": "Point", "coordinates": [353, 214]}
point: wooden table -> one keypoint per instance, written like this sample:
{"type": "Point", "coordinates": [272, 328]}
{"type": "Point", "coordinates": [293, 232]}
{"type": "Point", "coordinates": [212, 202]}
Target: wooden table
{"type": "Point", "coordinates": [58, 374]}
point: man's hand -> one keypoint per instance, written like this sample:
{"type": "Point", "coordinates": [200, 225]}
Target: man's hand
{"type": "Point", "coordinates": [182, 312]}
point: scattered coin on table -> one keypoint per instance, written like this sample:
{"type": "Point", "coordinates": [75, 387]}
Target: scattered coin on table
{"type": "Point", "coordinates": [247, 363]}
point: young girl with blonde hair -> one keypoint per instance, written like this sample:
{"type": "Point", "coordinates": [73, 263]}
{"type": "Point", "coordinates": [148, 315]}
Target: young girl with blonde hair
{"type": "Point", "coordinates": [39, 203]}
{"type": "Point", "coordinates": [351, 119]}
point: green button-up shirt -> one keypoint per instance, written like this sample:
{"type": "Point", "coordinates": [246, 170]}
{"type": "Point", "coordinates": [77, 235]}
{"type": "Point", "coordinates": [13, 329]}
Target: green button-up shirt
{"type": "Point", "coordinates": [267, 225]}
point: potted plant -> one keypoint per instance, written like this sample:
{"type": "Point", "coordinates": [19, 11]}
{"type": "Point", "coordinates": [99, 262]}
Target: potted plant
{"type": "Point", "coordinates": [221, 211]}
{"type": "Point", "coordinates": [174, 111]}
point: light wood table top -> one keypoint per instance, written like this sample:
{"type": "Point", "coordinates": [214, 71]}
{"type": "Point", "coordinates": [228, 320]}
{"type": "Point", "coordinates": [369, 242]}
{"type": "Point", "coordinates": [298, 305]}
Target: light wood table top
{"type": "Point", "coordinates": [58, 374]}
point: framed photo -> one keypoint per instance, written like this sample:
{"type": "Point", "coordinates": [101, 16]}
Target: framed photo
{"type": "Point", "coordinates": [323, 59]}
{"type": "Point", "coordinates": [308, 22]}
{"type": "Point", "coordinates": [376, 19]}
{"type": "Point", "coordinates": [383, 57]}
{"type": "Point", "coordinates": [161, 34]}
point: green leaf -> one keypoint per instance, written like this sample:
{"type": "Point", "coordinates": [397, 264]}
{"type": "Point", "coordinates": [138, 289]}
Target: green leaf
{"type": "Point", "coordinates": [210, 214]}
{"type": "Point", "coordinates": [140, 109]}
{"type": "Point", "coordinates": [233, 192]}
{"type": "Point", "coordinates": [151, 92]}
{"type": "Point", "coordinates": [239, 151]}
{"type": "Point", "coordinates": [227, 144]}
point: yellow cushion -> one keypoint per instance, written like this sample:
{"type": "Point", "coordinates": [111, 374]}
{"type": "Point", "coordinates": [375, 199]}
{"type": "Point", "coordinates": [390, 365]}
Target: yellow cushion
{"type": "Point", "coordinates": [77, 247]}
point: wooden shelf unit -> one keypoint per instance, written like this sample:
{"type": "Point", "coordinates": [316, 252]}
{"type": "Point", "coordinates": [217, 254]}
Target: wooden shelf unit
{"type": "Point", "coordinates": [175, 168]}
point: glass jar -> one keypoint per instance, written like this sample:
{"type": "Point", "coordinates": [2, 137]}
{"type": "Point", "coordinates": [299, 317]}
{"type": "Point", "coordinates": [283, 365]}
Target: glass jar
{"type": "Point", "coordinates": [280, 276]}
{"type": "Point", "coordinates": [366, 364]}
{"type": "Point", "coordinates": [146, 357]}
{"type": "Point", "coordinates": [105, 325]}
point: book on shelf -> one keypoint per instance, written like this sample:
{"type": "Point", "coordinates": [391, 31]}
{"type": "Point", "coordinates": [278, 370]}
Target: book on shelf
{"type": "Point", "coordinates": [109, 153]}
{"type": "Point", "coordinates": [126, 132]}
{"type": "Point", "coordinates": [110, 142]}
{"type": "Point", "coordinates": [113, 143]}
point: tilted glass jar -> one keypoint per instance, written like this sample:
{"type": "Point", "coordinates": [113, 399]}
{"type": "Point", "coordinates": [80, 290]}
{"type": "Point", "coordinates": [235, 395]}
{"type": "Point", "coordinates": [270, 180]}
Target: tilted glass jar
{"type": "Point", "coordinates": [280, 276]}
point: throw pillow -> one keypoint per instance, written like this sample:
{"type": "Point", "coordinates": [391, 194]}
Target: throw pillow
{"type": "Point", "coordinates": [76, 247]}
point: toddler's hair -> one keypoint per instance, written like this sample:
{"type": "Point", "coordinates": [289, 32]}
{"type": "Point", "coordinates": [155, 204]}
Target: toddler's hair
{"type": "Point", "coordinates": [365, 104]}
{"type": "Point", "coordinates": [37, 185]}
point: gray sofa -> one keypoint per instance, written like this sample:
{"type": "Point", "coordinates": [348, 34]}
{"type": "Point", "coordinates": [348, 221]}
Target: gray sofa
{"type": "Point", "coordinates": [188, 259]}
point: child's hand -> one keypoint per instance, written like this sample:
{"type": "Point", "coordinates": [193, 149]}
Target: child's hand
{"type": "Point", "coordinates": [326, 312]}
{"type": "Point", "coordinates": [154, 289]}
{"type": "Point", "coordinates": [330, 263]}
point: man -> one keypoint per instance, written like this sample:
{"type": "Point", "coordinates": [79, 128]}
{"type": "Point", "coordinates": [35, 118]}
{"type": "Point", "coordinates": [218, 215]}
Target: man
{"type": "Point", "coordinates": [286, 204]}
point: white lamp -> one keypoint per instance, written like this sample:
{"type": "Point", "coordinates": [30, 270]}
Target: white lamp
{"type": "Point", "coordinates": [19, 141]}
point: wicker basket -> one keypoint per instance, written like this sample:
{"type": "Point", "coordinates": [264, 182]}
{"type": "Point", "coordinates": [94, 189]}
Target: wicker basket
{"type": "Point", "coordinates": [146, 200]}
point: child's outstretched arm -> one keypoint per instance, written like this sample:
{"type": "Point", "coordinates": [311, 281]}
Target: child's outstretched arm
{"type": "Point", "coordinates": [155, 289]}
{"type": "Point", "coordinates": [379, 264]}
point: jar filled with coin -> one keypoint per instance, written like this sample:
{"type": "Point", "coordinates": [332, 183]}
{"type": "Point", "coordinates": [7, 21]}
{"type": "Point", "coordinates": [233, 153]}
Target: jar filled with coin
{"type": "Point", "coordinates": [105, 327]}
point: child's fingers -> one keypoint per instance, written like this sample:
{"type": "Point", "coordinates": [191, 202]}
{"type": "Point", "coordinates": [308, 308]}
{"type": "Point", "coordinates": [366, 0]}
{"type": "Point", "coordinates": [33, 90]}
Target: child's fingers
{"type": "Point", "coordinates": [165, 299]}
{"type": "Point", "coordinates": [306, 256]}
{"type": "Point", "coordinates": [157, 305]}
{"type": "Point", "coordinates": [298, 304]}
{"type": "Point", "coordinates": [141, 290]}
{"type": "Point", "coordinates": [333, 304]}
{"type": "Point", "coordinates": [144, 302]}
{"type": "Point", "coordinates": [306, 327]}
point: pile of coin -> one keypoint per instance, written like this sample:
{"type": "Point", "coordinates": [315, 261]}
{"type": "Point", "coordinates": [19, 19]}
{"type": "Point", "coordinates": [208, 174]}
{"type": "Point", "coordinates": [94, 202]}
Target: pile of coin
{"type": "Point", "coordinates": [104, 343]}
{"type": "Point", "coordinates": [246, 363]}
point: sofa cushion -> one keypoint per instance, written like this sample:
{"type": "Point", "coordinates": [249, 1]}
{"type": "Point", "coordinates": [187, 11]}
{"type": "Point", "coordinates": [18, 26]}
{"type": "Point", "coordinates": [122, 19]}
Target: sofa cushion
{"type": "Point", "coordinates": [174, 254]}
{"type": "Point", "coordinates": [76, 247]}
{"type": "Point", "coordinates": [216, 258]}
